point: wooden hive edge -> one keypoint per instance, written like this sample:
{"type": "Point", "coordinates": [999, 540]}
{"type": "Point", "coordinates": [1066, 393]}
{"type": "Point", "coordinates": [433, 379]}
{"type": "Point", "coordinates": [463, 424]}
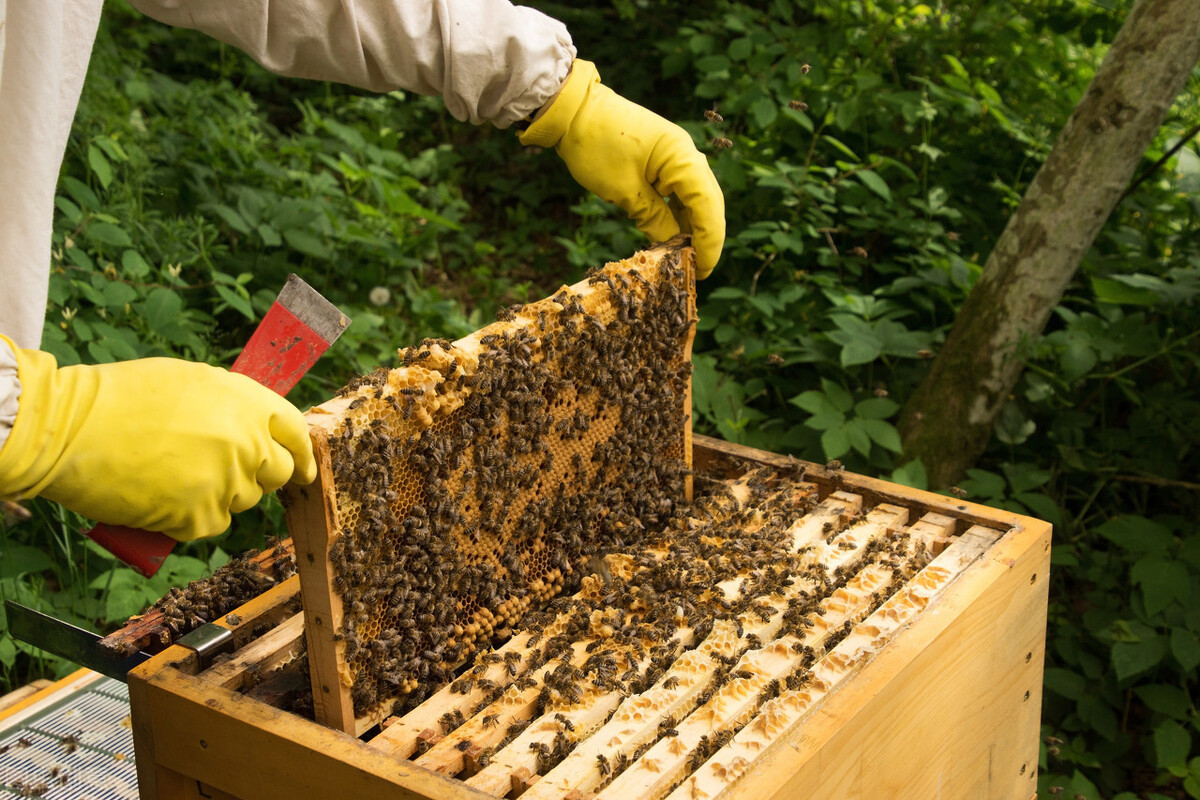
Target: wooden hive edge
{"type": "Point", "coordinates": [719, 458]}
{"type": "Point", "coordinates": [998, 603]}
{"type": "Point", "coordinates": [253, 751]}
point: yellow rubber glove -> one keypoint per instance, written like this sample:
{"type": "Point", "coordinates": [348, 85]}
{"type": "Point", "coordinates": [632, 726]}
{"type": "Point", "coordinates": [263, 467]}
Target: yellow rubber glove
{"type": "Point", "coordinates": [630, 156]}
{"type": "Point", "coordinates": [156, 443]}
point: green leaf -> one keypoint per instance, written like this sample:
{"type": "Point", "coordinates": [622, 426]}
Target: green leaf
{"type": "Point", "coordinates": [883, 433]}
{"type": "Point", "coordinates": [100, 354]}
{"type": "Point", "coordinates": [22, 559]}
{"type": "Point", "coordinates": [1077, 358]}
{"type": "Point", "coordinates": [713, 63]}
{"type": "Point", "coordinates": [838, 396]}
{"type": "Point", "coordinates": [1137, 534]}
{"type": "Point", "coordinates": [1098, 715]}
{"type": "Point", "coordinates": [218, 559]}
{"type": "Point", "coordinates": [235, 301]}
{"type": "Point", "coordinates": [860, 351]}
{"type": "Point", "coordinates": [72, 212]}
{"type": "Point", "coordinates": [740, 48]}
{"type": "Point", "coordinates": [1169, 700]}
{"type": "Point", "coordinates": [82, 329]}
{"type": "Point", "coordinates": [847, 113]}
{"type": "Point", "coordinates": [956, 66]}
{"type": "Point", "coordinates": [1118, 293]}
{"type": "Point", "coordinates": [860, 440]}
{"type": "Point", "coordinates": [1024, 477]}
{"type": "Point", "coordinates": [269, 235]}
{"type": "Point", "coordinates": [876, 408]}
{"type": "Point", "coordinates": [99, 165]}
{"type": "Point", "coordinates": [162, 307]}
{"type": "Point", "coordinates": [8, 651]}
{"type": "Point", "coordinates": [911, 474]}
{"type": "Point", "coordinates": [875, 183]}
{"type": "Point", "coordinates": [1132, 658]}
{"type": "Point", "coordinates": [1041, 506]}
{"type": "Point", "coordinates": [764, 110]}
{"type": "Point", "coordinates": [289, 214]}
{"type": "Point", "coordinates": [1162, 581]}
{"type": "Point", "coordinates": [840, 146]}
{"type": "Point", "coordinates": [118, 341]}
{"type": "Point", "coordinates": [835, 443]}
{"type": "Point", "coordinates": [107, 233]}
{"type": "Point", "coordinates": [727, 293]}
{"type": "Point", "coordinates": [1064, 682]}
{"type": "Point", "coordinates": [1172, 744]}
{"type": "Point", "coordinates": [134, 265]}
{"type": "Point", "coordinates": [80, 192]}
{"type": "Point", "coordinates": [814, 402]}
{"type": "Point", "coordinates": [306, 243]}
{"type": "Point", "coordinates": [799, 117]}
{"type": "Point", "coordinates": [983, 484]}
{"type": "Point", "coordinates": [1012, 426]}
{"type": "Point", "coordinates": [231, 217]}
{"type": "Point", "coordinates": [117, 294]}
{"type": "Point", "coordinates": [1185, 648]}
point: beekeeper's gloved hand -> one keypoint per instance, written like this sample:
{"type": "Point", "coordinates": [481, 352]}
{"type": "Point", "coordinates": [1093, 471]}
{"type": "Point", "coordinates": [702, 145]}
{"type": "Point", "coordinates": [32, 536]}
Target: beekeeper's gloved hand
{"type": "Point", "coordinates": [630, 156]}
{"type": "Point", "coordinates": [156, 443]}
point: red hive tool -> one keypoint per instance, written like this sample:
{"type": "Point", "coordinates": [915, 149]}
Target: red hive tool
{"type": "Point", "coordinates": [297, 329]}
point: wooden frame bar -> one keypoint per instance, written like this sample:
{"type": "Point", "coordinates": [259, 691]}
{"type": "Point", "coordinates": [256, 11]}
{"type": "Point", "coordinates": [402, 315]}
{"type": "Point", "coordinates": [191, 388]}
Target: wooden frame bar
{"type": "Point", "coordinates": [951, 705]}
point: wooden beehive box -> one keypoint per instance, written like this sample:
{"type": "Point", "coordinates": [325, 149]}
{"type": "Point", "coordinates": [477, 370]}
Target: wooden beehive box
{"type": "Point", "coordinates": [936, 694]}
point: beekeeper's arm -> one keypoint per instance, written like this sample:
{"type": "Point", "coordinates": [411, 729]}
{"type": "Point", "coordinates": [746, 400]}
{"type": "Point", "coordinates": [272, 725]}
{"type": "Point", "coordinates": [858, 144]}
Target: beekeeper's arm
{"type": "Point", "coordinates": [490, 61]}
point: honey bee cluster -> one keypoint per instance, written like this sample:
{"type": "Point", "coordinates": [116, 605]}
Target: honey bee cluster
{"type": "Point", "coordinates": [475, 481]}
{"type": "Point", "coordinates": [240, 580]}
{"type": "Point", "coordinates": [672, 645]}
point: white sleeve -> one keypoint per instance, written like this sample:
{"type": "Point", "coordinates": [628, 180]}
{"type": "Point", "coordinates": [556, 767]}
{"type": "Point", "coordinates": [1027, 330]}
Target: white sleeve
{"type": "Point", "coordinates": [489, 59]}
{"type": "Point", "coordinates": [10, 390]}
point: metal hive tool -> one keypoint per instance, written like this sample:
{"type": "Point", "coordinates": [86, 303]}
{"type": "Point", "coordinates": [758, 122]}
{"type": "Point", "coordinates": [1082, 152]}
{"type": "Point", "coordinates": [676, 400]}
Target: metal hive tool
{"type": "Point", "coordinates": [477, 480]}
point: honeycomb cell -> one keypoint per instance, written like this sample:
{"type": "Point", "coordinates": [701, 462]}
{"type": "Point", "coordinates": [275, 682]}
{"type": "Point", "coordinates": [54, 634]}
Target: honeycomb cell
{"type": "Point", "coordinates": [474, 482]}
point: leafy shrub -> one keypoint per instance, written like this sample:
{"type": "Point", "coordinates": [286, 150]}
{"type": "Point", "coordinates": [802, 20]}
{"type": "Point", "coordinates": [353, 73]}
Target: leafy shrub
{"type": "Point", "coordinates": [876, 151]}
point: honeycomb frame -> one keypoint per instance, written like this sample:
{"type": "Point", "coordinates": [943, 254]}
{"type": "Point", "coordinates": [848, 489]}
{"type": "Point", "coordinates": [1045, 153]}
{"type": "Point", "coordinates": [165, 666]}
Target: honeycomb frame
{"type": "Point", "coordinates": [476, 481]}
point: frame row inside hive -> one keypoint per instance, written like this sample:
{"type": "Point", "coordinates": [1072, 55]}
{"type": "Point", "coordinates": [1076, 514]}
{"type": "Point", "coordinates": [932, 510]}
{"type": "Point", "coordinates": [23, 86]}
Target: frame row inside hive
{"type": "Point", "coordinates": [895, 648]}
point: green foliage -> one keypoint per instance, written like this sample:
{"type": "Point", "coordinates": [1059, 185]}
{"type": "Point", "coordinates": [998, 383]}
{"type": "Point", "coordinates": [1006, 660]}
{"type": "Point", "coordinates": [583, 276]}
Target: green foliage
{"type": "Point", "coordinates": [877, 150]}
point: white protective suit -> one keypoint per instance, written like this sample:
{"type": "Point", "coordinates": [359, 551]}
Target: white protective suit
{"type": "Point", "coordinates": [489, 60]}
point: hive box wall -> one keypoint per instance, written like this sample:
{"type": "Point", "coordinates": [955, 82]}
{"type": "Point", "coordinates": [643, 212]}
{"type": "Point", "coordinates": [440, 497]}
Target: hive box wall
{"type": "Point", "coordinates": [950, 708]}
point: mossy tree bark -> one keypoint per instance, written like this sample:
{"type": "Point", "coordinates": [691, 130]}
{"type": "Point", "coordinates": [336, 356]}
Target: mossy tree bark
{"type": "Point", "coordinates": [949, 419]}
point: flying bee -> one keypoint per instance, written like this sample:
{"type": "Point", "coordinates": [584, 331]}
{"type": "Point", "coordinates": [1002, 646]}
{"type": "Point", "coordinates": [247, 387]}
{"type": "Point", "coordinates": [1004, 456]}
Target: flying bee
{"type": "Point", "coordinates": [722, 143]}
{"type": "Point", "coordinates": [711, 115]}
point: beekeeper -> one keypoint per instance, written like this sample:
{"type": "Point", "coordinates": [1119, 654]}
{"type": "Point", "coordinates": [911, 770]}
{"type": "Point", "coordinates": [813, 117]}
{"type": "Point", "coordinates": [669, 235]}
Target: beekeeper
{"type": "Point", "coordinates": [174, 446]}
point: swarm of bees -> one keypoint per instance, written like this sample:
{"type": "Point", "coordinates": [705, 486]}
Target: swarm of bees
{"type": "Point", "coordinates": [475, 482]}
{"type": "Point", "coordinates": [721, 568]}
{"type": "Point", "coordinates": [230, 586]}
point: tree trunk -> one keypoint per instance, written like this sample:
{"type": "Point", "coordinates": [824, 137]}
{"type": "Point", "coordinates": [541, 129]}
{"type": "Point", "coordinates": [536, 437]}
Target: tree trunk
{"type": "Point", "coordinates": [949, 419]}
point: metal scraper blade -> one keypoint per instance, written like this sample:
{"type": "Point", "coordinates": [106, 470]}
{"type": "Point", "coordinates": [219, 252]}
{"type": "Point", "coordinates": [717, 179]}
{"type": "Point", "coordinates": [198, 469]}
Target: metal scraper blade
{"type": "Point", "coordinates": [68, 641]}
